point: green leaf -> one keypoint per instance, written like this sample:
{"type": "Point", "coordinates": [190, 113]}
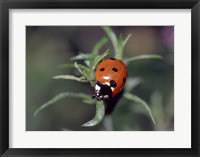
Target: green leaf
{"type": "Point", "coordinates": [87, 62]}
{"type": "Point", "coordinates": [81, 66]}
{"type": "Point", "coordinates": [100, 112]}
{"type": "Point", "coordinates": [71, 77]}
{"type": "Point", "coordinates": [93, 82]}
{"type": "Point", "coordinates": [99, 45]}
{"type": "Point", "coordinates": [81, 57]}
{"type": "Point", "coordinates": [140, 57]}
{"type": "Point", "coordinates": [78, 68]}
{"type": "Point", "coordinates": [86, 70]}
{"type": "Point", "coordinates": [118, 44]}
{"type": "Point", "coordinates": [99, 58]}
{"type": "Point", "coordinates": [112, 36]}
{"type": "Point", "coordinates": [59, 97]}
{"type": "Point", "coordinates": [157, 106]}
{"type": "Point", "coordinates": [119, 51]}
{"type": "Point", "coordinates": [127, 39]}
{"type": "Point", "coordinates": [140, 101]}
{"type": "Point", "coordinates": [89, 101]}
{"type": "Point", "coordinates": [122, 44]}
{"type": "Point", "coordinates": [121, 41]}
{"type": "Point", "coordinates": [95, 51]}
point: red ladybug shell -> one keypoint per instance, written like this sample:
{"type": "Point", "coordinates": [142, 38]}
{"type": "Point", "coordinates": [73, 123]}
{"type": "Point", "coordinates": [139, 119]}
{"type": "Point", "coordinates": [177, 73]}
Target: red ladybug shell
{"type": "Point", "coordinates": [114, 70]}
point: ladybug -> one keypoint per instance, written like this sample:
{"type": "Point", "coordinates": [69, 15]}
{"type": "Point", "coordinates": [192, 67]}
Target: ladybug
{"type": "Point", "coordinates": [111, 77]}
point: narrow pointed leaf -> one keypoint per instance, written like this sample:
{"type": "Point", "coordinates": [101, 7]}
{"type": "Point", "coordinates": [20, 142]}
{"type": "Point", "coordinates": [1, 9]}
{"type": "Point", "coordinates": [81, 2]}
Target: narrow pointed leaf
{"type": "Point", "coordinates": [71, 77]}
{"type": "Point", "coordinates": [127, 39]}
{"type": "Point", "coordinates": [78, 68]}
{"type": "Point", "coordinates": [81, 57]}
{"type": "Point", "coordinates": [86, 71]}
{"type": "Point", "coordinates": [87, 62]}
{"type": "Point", "coordinates": [99, 45]}
{"type": "Point", "coordinates": [139, 101]}
{"type": "Point", "coordinates": [112, 36]}
{"type": "Point", "coordinates": [100, 112]}
{"type": "Point", "coordinates": [99, 58]}
{"type": "Point", "coordinates": [140, 57]}
{"type": "Point", "coordinates": [89, 101]}
{"type": "Point", "coordinates": [61, 66]}
{"type": "Point", "coordinates": [96, 49]}
{"type": "Point", "coordinates": [81, 66]}
{"type": "Point", "coordinates": [59, 97]}
{"type": "Point", "coordinates": [119, 51]}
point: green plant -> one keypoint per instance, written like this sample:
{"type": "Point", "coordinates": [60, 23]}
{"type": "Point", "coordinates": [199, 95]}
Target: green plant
{"type": "Point", "coordinates": [87, 72]}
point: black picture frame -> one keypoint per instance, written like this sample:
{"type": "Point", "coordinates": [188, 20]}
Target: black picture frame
{"type": "Point", "coordinates": [5, 5]}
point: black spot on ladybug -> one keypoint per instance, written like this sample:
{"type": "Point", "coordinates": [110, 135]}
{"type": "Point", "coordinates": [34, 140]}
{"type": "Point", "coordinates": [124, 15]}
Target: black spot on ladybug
{"type": "Point", "coordinates": [112, 58]}
{"type": "Point", "coordinates": [124, 79]}
{"type": "Point", "coordinates": [113, 83]}
{"type": "Point", "coordinates": [114, 69]}
{"type": "Point", "coordinates": [102, 69]}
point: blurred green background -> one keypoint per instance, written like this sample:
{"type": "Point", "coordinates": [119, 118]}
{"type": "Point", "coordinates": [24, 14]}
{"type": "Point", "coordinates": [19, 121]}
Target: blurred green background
{"type": "Point", "coordinates": [50, 46]}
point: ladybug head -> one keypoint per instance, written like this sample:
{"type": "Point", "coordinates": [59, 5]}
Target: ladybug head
{"type": "Point", "coordinates": [102, 91]}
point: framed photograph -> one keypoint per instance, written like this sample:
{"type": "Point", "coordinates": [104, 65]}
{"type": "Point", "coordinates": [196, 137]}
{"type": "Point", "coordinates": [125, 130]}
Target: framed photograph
{"type": "Point", "coordinates": [103, 78]}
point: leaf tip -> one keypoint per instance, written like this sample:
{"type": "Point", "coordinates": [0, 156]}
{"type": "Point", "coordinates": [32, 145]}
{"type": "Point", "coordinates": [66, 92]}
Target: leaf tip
{"type": "Point", "coordinates": [35, 114]}
{"type": "Point", "coordinates": [100, 112]}
{"type": "Point", "coordinates": [85, 125]}
{"type": "Point", "coordinates": [55, 77]}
